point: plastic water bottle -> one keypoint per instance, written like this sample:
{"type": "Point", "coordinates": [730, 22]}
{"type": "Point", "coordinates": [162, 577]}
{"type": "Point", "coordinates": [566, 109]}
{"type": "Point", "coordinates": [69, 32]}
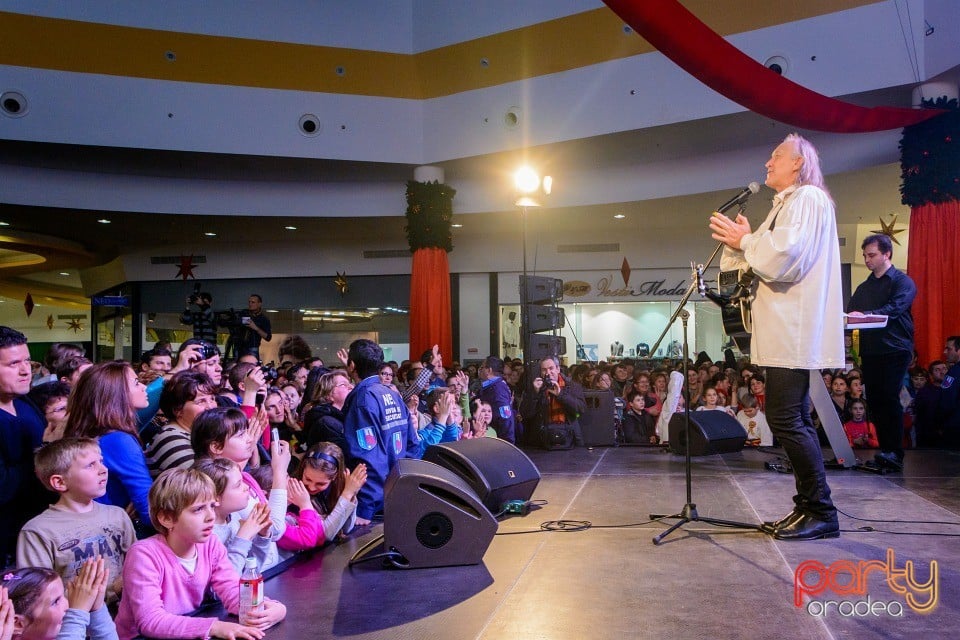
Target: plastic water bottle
{"type": "Point", "coordinates": [251, 591]}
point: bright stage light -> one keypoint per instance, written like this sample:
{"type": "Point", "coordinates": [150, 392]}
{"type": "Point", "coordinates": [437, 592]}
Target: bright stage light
{"type": "Point", "coordinates": [526, 180]}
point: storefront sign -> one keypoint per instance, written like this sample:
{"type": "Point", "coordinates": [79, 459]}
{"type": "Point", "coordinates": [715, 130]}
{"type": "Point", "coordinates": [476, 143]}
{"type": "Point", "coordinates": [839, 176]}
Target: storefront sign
{"type": "Point", "coordinates": [644, 285]}
{"type": "Point", "coordinates": [110, 301]}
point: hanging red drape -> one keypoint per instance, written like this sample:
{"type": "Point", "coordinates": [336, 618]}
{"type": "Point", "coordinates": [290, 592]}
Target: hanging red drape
{"type": "Point", "coordinates": [934, 264]}
{"type": "Point", "coordinates": [704, 54]}
{"type": "Point", "coordinates": [430, 319]}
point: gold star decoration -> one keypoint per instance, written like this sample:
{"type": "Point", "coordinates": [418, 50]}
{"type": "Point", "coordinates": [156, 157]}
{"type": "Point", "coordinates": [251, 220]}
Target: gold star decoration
{"type": "Point", "coordinates": [341, 282]}
{"type": "Point", "coordinates": [50, 322]}
{"type": "Point", "coordinates": [888, 229]}
{"type": "Point", "coordinates": [75, 325]}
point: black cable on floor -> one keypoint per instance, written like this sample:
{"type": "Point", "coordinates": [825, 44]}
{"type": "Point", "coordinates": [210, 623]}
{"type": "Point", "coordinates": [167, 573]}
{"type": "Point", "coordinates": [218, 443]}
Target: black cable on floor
{"type": "Point", "coordinates": [955, 524]}
{"type": "Point", "coordinates": [569, 526]}
{"type": "Point", "coordinates": [901, 533]}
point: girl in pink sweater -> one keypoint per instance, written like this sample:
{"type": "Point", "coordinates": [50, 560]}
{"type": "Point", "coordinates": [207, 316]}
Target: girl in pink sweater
{"type": "Point", "coordinates": [166, 575]}
{"type": "Point", "coordinates": [324, 494]}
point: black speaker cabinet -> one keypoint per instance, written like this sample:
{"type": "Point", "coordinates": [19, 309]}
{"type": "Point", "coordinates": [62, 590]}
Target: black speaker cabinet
{"type": "Point", "coordinates": [495, 469]}
{"type": "Point", "coordinates": [544, 318]}
{"type": "Point", "coordinates": [598, 422]}
{"type": "Point", "coordinates": [710, 432]}
{"type": "Point", "coordinates": [544, 346]}
{"type": "Point", "coordinates": [541, 289]}
{"type": "Point", "coordinates": [433, 518]}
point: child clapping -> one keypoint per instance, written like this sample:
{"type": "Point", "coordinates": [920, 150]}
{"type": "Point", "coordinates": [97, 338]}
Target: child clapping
{"type": "Point", "coordinates": [166, 576]}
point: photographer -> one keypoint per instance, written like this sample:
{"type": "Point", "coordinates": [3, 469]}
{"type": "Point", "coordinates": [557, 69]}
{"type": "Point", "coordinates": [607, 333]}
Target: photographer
{"type": "Point", "coordinates": [553, 408]}
{"type": "Point", "coordinates": [205, 358]}
{"type": "Point", "coordinates": [203, 320]}
{"type": "Point", "coordinates": [256, 328]}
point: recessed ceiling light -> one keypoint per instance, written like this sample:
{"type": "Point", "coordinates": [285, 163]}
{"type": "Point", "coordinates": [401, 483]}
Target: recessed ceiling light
{"type": "Point", "coordinates": [4, 224]}
{"type": "Point", "coordinates": [209, 234]}
{"type": "Point", "coordinates": [103, 221]}
{"type": "Point", "coordinates": [290, 228]}
{"type": "Point", "coordinates": [64, 273]}
{"type": "Point", "coordinates": [457, 226]}
{"type": "Point", "coordinates": [619, 216]}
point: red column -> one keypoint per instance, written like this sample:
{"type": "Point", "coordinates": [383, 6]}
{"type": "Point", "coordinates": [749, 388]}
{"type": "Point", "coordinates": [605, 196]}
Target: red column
{"type": "Point", "coordinates": [430, 319]}
{"type": "Point", "coordinates": [934, 264]}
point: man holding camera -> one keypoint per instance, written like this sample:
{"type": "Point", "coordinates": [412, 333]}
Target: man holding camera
{"type": "Point", "coordinates": [553, 409]}
{"type": "Point", "coordinates": [256, 327]}
{"type": "Point", "coordinates": [203, 319]}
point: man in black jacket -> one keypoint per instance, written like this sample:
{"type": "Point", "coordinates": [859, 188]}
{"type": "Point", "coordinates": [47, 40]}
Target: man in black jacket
{"type": "Point", "coordinates": [554, 400]}
{"type": "Point", "coordinates": [886, 352]}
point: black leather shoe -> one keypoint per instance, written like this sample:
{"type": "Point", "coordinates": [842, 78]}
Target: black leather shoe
{"type": "Point", "coordinates": [770, 528]}
{"type": "Point", "coordinates": [889, 460]}
{"type": "Point", "coordinates": [808, 528]}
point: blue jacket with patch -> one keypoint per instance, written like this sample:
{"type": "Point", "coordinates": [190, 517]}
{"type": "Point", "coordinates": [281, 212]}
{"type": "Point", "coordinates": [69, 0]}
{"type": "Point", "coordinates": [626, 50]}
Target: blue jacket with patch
{"type": "Point", "coordinates": [496, 393]}
{"type": "Point", "coordinates": [377, 430]}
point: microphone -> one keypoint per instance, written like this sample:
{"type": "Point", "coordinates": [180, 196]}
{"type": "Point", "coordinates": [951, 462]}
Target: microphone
{"type": "Point", "coordinates": [740, 198]}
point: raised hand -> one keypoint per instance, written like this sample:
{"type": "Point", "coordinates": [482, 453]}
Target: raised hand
{"type": "Point", "coordinates": [354, 480]}
{"type": "Point", "coordinates": [85, 591]}
{"type": "Point", "coordinates": [6, 615]}
{"type": "Point", "coordinates": [298, 495]}
{"type": "Point", "coordinates": [443, 408]}
{"type": "Point", "coordinates": [343, 356]}
{"type": "Point", "coordinates": [257, 522]}
{"type": "Point", "coordinates": [188, 357]}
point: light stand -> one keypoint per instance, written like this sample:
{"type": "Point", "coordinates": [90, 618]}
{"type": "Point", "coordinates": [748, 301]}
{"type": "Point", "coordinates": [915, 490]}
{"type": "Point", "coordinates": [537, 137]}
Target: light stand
{"type": "Point", "coordinates": [524, 299]}
{"type": "Point", "coordinates": [530, 189]}
{"type": "Point", "coordinates": [689, 511]}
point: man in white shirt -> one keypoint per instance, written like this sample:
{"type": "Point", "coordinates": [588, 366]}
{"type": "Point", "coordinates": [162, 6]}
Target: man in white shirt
{"type": "Point", "coordinates": [797, 318]}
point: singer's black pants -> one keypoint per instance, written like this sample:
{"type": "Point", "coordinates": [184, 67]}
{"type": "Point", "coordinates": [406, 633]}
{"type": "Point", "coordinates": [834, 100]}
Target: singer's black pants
{"type": "Point", "coordinates": [788, 414]}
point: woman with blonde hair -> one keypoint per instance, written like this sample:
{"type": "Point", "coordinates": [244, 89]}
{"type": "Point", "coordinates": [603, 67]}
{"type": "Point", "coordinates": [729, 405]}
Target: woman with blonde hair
{"type": "Point", "coordinates": [323, 422]}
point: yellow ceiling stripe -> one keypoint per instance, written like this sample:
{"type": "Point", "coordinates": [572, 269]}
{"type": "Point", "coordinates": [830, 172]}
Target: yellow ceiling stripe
{"type": "Point", "coordinates": [571, 42]}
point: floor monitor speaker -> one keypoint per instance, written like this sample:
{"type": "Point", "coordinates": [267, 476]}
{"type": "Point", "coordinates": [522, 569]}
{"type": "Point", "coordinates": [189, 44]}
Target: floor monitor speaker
{"type": "Point", "coordinates": [710, 432]}
{"type": "Point", "coordinates": [433, 518]}
{"type": "Point", "coordinates": [598, 422]}
{"type": "Point", "coordinates": [495, 469]}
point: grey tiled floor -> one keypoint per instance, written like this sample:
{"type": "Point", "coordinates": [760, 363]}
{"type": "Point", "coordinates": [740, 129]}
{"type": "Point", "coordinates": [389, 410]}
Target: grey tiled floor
{"type": "Point", "coordinates": [702, 582]}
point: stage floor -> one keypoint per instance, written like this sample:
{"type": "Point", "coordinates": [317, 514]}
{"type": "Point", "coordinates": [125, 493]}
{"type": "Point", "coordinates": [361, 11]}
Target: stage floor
{"type": "Point", "coordinates": [701, 582]}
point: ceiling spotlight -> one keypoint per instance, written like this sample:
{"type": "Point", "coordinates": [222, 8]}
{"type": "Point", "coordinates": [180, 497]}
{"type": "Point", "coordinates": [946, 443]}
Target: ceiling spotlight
{"type": "Point", "coordinates": [457, 226]}
{"type": "Point", "coordinates": [4, 224]}
{"type": "Point", "coordinates": [619, 216]}
{"type": "Point", "coordinates": [526, 180]}
{"type": "Point", "coordinates": [103, 221]}
{"type": "Point", "coordinates": [64, 273]}
{"type": "Point", "coordinates": [290, 228]}
{"type": "Point", "coordinates": [210, 234]}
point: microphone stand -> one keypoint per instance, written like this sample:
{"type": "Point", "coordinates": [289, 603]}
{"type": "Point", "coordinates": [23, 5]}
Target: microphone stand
{"type": "Point", "coordinates": [689, 511]}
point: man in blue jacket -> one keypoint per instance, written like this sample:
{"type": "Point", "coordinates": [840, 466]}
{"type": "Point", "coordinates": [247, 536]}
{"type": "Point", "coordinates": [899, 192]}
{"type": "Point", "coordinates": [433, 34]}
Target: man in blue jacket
{"type": "Point", "coordinates": [376, 426]}
{"type": "Point", "coordinates": [496, 393]}
{"type": "Point", "coordinates": [949, 406]}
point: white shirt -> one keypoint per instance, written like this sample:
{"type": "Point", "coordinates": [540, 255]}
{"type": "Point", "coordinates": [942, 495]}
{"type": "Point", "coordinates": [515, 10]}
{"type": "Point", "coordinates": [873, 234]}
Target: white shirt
{"type": "Point", "coordinates": [798, 308]}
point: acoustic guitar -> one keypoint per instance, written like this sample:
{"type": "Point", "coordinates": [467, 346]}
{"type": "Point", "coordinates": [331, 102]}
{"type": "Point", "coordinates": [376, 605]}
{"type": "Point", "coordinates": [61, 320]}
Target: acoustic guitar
{"type": "Point", "coordinates": [733, 296]}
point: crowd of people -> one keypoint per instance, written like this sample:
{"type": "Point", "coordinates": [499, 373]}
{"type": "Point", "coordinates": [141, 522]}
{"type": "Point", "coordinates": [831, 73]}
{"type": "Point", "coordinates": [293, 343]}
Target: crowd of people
{"type": "Point", "coordinates": [132, 488]}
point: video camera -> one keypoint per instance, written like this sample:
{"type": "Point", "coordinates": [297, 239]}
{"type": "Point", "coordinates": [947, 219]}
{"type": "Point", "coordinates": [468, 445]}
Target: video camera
{"type": "Point", "coordinates": [231, 319]}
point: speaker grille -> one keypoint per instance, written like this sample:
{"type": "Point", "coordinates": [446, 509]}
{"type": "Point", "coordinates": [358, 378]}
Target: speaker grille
{"type": "Point", "coordinates": [434, 530]}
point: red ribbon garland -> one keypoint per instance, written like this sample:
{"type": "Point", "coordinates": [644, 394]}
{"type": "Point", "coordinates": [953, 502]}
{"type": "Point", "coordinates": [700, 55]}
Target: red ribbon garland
{"type": "Point", "coordinates": [705, 55]}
